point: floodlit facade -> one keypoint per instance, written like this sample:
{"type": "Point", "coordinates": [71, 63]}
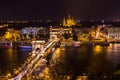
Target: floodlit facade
{"type": "Point", "coordinates": [69, 21]}
{"type": "Point", "coordinates": [114, 33]}
{"type": "Point", "coordinates": [33, 32]}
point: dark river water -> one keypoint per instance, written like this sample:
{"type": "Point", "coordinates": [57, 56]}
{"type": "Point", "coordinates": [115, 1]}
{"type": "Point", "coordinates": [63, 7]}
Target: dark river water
{"type": "Point", "coordinates": [77, 61]}
{"type": "Point", "coordinates": [92, 61]}
{"type": "Point", "coordinates": [12, 58]}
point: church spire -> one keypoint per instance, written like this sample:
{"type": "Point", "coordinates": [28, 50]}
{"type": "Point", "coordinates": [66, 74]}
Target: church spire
{"type": "Point", "coordinates": [64, 21]}
{"type": "Point", "coordinates": [69, 17]}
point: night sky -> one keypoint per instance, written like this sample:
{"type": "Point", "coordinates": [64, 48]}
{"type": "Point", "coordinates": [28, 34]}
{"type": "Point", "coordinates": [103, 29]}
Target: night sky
{"type": "Point", "coordinates": [57, 9]}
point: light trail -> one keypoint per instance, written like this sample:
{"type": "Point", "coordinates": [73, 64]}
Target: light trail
{"type": "Point", "coordinates": [34, 60]}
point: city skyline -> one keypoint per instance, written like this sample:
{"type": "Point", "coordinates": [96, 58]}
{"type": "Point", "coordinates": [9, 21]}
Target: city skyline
{"type": "Point", "coordinates": [57, 9]}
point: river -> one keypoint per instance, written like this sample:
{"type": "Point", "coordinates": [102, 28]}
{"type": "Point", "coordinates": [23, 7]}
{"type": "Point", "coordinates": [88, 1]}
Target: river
{"type": "Point", "coordinates": [12, 58]}
{"type": "Point", "coordinates": [95, 60]}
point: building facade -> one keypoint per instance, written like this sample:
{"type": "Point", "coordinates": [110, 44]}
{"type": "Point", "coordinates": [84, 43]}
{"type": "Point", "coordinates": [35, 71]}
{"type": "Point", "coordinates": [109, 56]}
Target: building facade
{"type": "Point", "coordinates": [114, 33]}
{"type": "Point", "coordinates": [34, 32]}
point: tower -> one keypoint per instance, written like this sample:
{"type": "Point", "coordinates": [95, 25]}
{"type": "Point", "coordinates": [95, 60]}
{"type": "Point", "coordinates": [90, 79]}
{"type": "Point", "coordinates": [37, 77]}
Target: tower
{"type": "Point", "coordinates": [64, 22]}
{"type": "Point", "coordinates": [69, 21]}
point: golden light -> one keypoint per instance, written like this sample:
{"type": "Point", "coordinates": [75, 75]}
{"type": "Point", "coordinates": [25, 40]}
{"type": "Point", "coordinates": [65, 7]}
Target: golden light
{"type": "Point", "coordinates": [10, 53]}
{"type": "Point", "coordinates": [58, 50]}
{"type": "Point", "coordinates": [33, 54]}
{"type": "Point", "coordinates": [98, 32]}
{"type": "Point", "coordinates": [69, 21]}
{"type": "Point", "coordinates": [97, 48]}
{"type": "Point", "coordinates": [8, 75]}
{"type": "Point", "coordinates": [8, 35]}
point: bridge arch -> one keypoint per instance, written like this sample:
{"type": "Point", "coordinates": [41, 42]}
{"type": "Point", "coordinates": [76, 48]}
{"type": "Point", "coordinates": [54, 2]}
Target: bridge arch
{"type": "Point", "coordinates": [37, 46]}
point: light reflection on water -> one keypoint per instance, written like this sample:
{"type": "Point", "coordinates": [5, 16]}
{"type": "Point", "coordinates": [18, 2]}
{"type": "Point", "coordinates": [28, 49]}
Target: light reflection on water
{"type": "Point", "coordinates": [97, 49]}
{"type": "Point", "coordinates": [11, 58]}
{"type": "Point", "coordinates": [97, 60]}
{"type": "Point", "coordinates": [82, 59]}
{"type": "Point", "coordinates": [113, 53]}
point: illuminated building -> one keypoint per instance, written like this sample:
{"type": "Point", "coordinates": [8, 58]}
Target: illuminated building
{"type": "Point", "coordinates": [61, 30]}
{"type": "Point", "coordinates": [33, 32]}
{"type": "Point", "coordinates": [68, 21]}
{"type": "Point", "coordinates": [12, 34]}
{"type": "Point", "coordinates": [114, 33]}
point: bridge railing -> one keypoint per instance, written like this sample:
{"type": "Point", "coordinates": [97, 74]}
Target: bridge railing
{"type": "Point", "coordinates": [24, 71]}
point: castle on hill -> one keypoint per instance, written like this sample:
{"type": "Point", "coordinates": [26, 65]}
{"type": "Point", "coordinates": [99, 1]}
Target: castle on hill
{"type": "Point", "coordinates": [69, 21]}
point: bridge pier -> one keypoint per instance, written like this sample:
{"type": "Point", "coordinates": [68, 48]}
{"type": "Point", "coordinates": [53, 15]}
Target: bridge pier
{"type": "Point", "coordinates": [38, 45]}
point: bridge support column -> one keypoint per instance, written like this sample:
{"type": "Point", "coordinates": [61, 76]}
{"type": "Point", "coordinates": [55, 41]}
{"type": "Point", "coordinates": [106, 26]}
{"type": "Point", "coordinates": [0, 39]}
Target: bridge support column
{"type": "Point", "coordinates": [37, 45]}
{"type": "Point", "coordinates": [53, 35]}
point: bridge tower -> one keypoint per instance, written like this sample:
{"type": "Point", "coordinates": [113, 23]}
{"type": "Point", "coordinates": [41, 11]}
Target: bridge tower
{"type": "Point", "coordinates": [55, 32]}
{"type": "Point", "coordinates": [53, 35]}
{"type": "Point", "coordinates": [37, 45]}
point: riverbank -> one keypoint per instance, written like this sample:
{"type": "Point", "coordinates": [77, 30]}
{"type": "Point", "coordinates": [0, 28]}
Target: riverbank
{"type": "Point", "coordinates": [83, 43]}
{"type": "Point", "coordinates": [94, 43]}
{"type": "Point", "coordinates": [12, 44]}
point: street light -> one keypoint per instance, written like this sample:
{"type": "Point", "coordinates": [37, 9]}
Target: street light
{"type": "Point", "coordinates": [8, 75]}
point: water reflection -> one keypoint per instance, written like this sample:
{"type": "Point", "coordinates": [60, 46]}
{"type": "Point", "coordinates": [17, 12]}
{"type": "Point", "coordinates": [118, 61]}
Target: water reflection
{"type": "Point", "coordinates": [10, 55]}
{"type": "Point", "coordinates": [11, 58]}
{"type": "Point", "coordinates": [113, 53]}
{"type": "Point", "coordinates": [98, 61]}
{"type": "Point", "coordinates": [70, 61]}
{"type": "Point", "coordinates": [97, 49]}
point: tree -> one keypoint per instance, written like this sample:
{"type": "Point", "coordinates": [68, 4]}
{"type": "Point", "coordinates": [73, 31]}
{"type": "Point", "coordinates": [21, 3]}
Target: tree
{"type": "Point", "coordinates": [75, 37]}
{"type": "Point", "coordinates": [90, 37]}
{"type": "Point", "coordinates": [66, 36]}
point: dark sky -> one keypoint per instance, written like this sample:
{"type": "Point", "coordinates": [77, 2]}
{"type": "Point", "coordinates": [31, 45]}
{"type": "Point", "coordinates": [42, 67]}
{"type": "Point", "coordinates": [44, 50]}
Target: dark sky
{"type": "Point", "coordinates": [57, 9]}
